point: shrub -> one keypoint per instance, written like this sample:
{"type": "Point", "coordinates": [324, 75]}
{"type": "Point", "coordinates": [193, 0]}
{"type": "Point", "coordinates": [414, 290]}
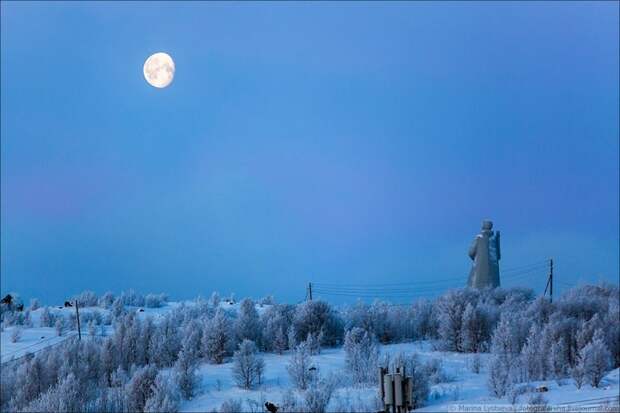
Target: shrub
{"type": "Point", "coordinates": [248, 366]}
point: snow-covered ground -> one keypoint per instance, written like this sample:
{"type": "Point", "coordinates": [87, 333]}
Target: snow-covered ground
{"type": "Point", "coordinates": [462, 391]}
{"type": "Point", "coordinates": [463, 388]}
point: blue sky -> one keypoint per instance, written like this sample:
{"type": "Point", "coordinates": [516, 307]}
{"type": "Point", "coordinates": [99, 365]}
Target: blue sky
{"type": "Point", "coordinates": [327, 142]}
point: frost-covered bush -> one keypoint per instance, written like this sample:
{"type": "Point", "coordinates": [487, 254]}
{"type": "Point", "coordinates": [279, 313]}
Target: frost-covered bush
{"type": "Point", "coordinates": [166, 394]}
{"type": "Point", "coordinates": [318, 395]}
{"type": "Point", "coordinates": [118, 308]}
{"type": "Point", "coordinates": [16, 334]}
{"type": "Point", "coordinates": [64, 397]}
{"type": "Point", "coordinates": [231, 406]}
{"type": "Point", "coordinates": [59, 325]}
{"type": "Point", "coordinates": [92, 331]}
{"type": "Point", "coordinates": [558, 360]}
{"type": "Point", "coordinates": [316, 317]}
{"type": "Point", "coordinates": [247, 322]}
{"type": "Point", "coordinates": [435, 372]}
{"type": "Point", "coordinates": [217, 338]}
{"type": "Point", "coordinates": [475, 363]}
{"type": "Point", "coordinates": [27, 319]}
{"type": "Point", "coordinates": [86, 299]}
{"type": "Point", "coordinates": [215, 299]}
{"type": "Point", "coordinates": [291, 403]}
{"type": "Point", "coordinates": [267, 300]}
{"type": "Point", "coordinates": [313, 342]}
{"type": "Point", "coordinates": [478, 323]}
{"type": "Point", "coordinates": [275, 323]}
{"type": "Point", "coordinates": [106, 300]}
{"type": "Point", "coordinates": [248, 366]}
{"type": "Point", "coordinates": [155, 300]}
{"type": "Point", "coordinates": [345, 402]}
{"type": "Point", "coordinates": [140, 388]}
{"type": "Point", "coordinates": [132, 298]}
{"type": "Point", "coordinates": [450, 309]}
{"type": "Point", "coordinates": [595, 360]}
{"type": "Point", "coordinates": [361, 355]}
{"type": "Point", "coordinates": [299, 366]}
{"type": "Point", "coordinates": [517, 391]}
{"type": "Point", "coordinates": [499, 380]}
{"type": "Point", "coordinates": [46, 319]}
{"type": "Point", "coordinates": [34, 304]}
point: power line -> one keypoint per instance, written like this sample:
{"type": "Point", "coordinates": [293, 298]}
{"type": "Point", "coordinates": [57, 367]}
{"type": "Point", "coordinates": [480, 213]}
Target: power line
{"type": "Point", "coordinates": [360, 288]}
{"type": "Point", "coordinates": [416, 289]}
{"type": "Point", "coordinates": [510, 272]}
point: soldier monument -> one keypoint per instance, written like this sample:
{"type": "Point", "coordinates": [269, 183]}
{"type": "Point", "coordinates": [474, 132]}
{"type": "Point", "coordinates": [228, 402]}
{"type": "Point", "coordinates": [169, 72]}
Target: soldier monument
{"type": "Point", "coordinates": [485, 254]}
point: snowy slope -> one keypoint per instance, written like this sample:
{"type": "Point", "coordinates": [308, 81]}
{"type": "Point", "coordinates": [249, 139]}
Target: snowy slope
{"type": "Point", "coordinates": [37, 338]}
{"type": "Point", "coordinates": [463, 388]}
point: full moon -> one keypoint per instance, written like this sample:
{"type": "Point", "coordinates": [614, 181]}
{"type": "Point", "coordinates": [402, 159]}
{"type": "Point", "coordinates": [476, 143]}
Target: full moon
{"type": "Point", "coordinates": [159, 70]}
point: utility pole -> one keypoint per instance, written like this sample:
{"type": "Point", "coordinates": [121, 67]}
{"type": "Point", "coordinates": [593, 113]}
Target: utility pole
{"type": "Point", "coordinates": [310, 291]}
{"type": "Point", "coordinates": [77, 313]}
{"type": "Point", "coordinates": [551, 280]}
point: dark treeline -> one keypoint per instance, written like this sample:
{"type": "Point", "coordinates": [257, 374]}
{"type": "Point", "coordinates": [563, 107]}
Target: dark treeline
{"type": "Point", "coordinates": [150, 364]}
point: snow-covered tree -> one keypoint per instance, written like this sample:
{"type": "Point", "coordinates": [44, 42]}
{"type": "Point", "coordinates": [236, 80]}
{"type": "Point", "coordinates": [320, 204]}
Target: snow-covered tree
{"type": "Point", "coordinates": [595, 359]}
{"type": "Point", "coordinates": [316, 316]}
{"type": "Point", "coordinates": [140, 388]}
{"type": "Point", "coordinates": [558, 360]}
{"type": "Point", "coordinates": [108, 361]}
{"type": "Point", "coordinates": [59, 325]}
{"type": "Point", "coordinates": [314, 343]}
{"type": "Point", "coordinates": [106, 300]}
{"type": "Point", "coordinates": [539, 311]}
{"type": "Point", "coordinates": [578, 374]}
{"type": "Point", "coordinates": [248, 366]}
{"type": "Point", "coordinates": [267, 300]}
{"type": "Point", "coordinates": [477, 326]}
{"type": "Point", "coordinates": [299, 366]}
{"type": "Point", "coordinates": [155, 300]}
{"type": "Point", "coordinates": [119, 377]}
{"type": "Point", "coordinates": [216, 340]}
{"type": "Point", "coordinates": [86, 299]}
{"type": "Point", "coordinates": [291, 336]}
{"type": "Point", "coordinates": [533, 357]}
{"type": "Point", "coordinates": [118, 308]}
{"type": "Point", "coordinates": [187, 363]}
{"type": "Point", "coordinates": [318, 395]}
{"type": "Point", "coordinates": [215, 299]}
{"type": "Point", "coordinates": [165, 343]}
{"type": "Point", "coordinates": [361, 355]}
{"type": "Point", "coordinates": [64, 397]}
{"type": "Point", "coordinates": [246, 325]}
{"type": "Point", "coordinates": [34, 304]}
{"type": "Point", "coordinates": [166, 395]}
{"type": "Point", "coordinates": [499, 381]}
{"type": "Point", "coordinates": [29, 382]}
{"type": "Point", "coordinates": [16, 334]}
{"type": "Point", "coordinates": [450, 309]}
{"type": "Point", "coordinates": [280, 341]}
{"type": "Point", "coordinates": [275, 322]}
{"type": "Point", "coordinates": [46, 319]}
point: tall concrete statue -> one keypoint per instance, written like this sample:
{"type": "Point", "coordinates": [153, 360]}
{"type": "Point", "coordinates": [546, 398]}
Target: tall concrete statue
{"type": "Point", "coordinates": [485, 254]}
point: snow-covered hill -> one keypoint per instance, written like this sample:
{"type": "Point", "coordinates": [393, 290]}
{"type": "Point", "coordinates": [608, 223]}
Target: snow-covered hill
{"type": "Point", "coordinates": [463, 387]}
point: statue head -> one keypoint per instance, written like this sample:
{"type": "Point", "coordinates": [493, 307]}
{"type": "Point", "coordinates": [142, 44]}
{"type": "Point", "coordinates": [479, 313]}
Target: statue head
{"type": "Point", "coordinates": [487, 225]}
